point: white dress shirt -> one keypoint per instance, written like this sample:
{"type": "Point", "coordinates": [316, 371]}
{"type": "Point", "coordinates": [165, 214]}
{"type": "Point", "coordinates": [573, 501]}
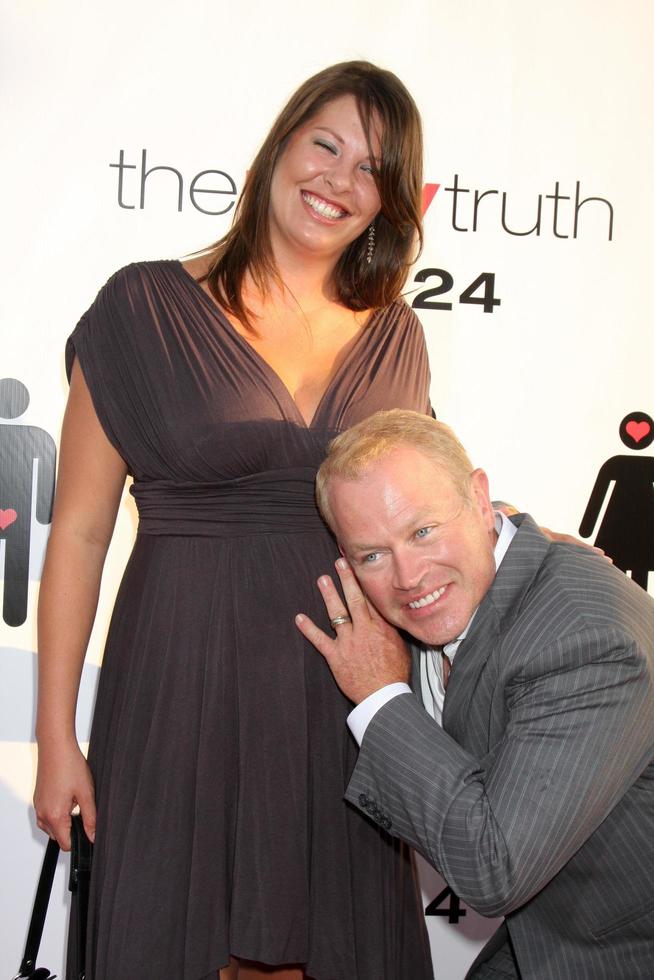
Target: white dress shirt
{"type": "Point", "coordinates": [432, 688]}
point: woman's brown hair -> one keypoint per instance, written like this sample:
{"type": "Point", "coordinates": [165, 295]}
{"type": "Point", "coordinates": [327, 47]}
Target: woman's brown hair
{"type": "Point", "coordinates": [359, 285]}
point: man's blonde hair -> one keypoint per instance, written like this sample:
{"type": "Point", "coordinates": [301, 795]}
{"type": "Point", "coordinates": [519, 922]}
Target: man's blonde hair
{"type": "Point", "coordinates": [351, 453]}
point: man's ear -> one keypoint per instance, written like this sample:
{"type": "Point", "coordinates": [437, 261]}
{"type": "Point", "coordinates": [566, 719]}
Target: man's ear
{"type": "Point", "coordinates": [341, 550]}
{"type": "Point", "coordinates": [481, 496]}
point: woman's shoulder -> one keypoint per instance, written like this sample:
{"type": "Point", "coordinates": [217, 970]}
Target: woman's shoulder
{"type": "Point", "coordinates": [399, 316]}
{"type": "Point", "coordinates": [126, 293]}
{"type": "Point", "coordinates": [196, 266]}
{"type": "Point", "coordinates": [133, 287]}
{"type": "Point", "coordinates": [137, 274]}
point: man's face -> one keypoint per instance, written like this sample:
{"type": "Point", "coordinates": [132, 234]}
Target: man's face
{"type": "Point", "coordinates": [422, 554]}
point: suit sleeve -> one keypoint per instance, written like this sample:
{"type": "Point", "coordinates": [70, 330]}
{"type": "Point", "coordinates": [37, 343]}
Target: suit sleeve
{"type": "Point", "coordinates": [579, 732]}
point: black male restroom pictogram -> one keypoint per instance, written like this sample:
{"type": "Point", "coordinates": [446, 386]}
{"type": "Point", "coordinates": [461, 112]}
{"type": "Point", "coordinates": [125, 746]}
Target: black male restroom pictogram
{"type": "Point", "coordinates": [25, 451]}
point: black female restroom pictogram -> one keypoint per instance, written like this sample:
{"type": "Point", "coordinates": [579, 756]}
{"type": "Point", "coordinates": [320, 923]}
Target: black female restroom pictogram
{"type": "Point", "coordinates": [626, 532]}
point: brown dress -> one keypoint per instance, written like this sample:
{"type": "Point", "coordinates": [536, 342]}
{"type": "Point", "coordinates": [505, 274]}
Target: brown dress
{"type": "Point", "coordinates": [219, 746]}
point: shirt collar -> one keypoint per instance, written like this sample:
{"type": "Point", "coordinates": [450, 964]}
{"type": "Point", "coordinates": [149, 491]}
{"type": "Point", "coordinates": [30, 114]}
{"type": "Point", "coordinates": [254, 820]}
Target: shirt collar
{"type": "Point", "coordinates": [505, 530]}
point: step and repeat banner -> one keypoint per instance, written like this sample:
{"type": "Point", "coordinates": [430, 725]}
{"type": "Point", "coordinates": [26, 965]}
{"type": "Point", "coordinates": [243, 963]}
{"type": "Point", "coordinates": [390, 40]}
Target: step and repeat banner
{"type": "Point", "coordinates": [128, 129]}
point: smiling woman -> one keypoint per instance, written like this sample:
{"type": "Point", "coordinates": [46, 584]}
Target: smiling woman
{"type": "Point", "coordinates": [390, 125]}
{"type": "Point", "coordinates": [323, 192]}
{"type": "Point", "coordinates": [219, 752]}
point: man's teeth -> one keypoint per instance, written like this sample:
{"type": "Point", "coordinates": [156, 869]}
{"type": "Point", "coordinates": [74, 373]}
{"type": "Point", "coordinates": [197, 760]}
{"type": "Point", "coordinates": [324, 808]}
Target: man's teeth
{"type": "Point", "coordinates": [427, 599]}
{"type": "Point", "coordinates": [322, 207]}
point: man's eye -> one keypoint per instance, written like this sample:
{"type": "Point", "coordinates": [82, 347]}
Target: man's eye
{"type": "Point", "coordinates": [423, 532]}
{"type": "Point", "coordinates": [371, 558]}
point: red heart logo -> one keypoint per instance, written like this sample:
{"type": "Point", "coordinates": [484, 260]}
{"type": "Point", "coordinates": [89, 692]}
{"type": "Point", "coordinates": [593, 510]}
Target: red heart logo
{"type": "Point", "coordinates": [7, 517]}
{"type": "Point", "coordinates": [637, 430]}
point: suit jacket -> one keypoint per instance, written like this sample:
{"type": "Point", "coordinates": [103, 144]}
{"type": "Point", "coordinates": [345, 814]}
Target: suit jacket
{"type": "Point", "coordinates": [536, 799]}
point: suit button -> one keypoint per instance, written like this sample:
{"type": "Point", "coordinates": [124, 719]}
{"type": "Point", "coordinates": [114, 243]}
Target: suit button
{"type": "Point", "coordinates": [387, 823]}
{"type": "Point", "coordinates": [363, 800]}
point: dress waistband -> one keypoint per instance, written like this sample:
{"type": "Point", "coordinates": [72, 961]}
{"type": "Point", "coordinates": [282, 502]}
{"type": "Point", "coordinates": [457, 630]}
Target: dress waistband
{"type": "Point", "coordinates": [274, 502]}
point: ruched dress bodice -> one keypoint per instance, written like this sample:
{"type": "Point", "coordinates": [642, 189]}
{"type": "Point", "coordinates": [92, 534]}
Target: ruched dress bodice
{"type": "Point", "coordinates": [273, 502]}
{"type": "Point", "coordinates": [219, 746]}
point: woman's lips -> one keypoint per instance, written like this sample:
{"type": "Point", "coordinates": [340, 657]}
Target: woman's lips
{"type": "Point", "coordinates": [322, 207]}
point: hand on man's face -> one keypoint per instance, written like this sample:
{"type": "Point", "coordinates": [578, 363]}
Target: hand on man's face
{"type": "Point", "coordinates": [367, 653]}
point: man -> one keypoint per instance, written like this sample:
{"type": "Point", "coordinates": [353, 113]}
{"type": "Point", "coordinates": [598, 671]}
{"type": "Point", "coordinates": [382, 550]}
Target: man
{"type": "Point", "coordinates": [535, 799]}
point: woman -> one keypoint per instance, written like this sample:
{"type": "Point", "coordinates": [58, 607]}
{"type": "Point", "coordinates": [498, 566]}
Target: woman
{"type": "Point", "coordinates": [219, 751]}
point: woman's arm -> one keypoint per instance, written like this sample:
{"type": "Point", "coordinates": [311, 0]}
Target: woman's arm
{"type": "Point", "coordinates": [89, 486]}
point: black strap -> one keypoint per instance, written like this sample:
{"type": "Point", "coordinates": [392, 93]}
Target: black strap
{"type": "Point", "coordinates": [78, 884]}
{"type": "Point", "coordinates": [37, 921]}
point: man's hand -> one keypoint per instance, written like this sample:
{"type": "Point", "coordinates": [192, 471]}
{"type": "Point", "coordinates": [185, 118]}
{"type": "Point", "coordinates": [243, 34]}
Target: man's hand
{"type": "Point", "coordinates": [367, 653]}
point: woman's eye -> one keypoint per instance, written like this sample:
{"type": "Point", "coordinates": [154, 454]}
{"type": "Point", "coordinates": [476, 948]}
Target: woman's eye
{"type": "Point", "coordinates": [367, 168]}
{"type": "Point", "coordinates": [326, 146]}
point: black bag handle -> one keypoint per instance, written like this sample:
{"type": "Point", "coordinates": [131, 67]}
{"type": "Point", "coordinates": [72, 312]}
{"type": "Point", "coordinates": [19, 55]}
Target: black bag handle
{"type": "Point", "coordinates": [35, 931]}
{"type": "Point", "coordinates": [78, 885]}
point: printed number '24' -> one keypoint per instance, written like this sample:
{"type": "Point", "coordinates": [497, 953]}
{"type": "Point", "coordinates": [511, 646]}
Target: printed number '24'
{"type": "Point", "coordinates": [452, 910]}
{"type": "Point", "coordinates": [484, 283]}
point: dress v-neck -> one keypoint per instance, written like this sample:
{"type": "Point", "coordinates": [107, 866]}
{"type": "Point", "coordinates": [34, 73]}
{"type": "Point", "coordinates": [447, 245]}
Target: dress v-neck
{"type": "Point", "coordinates": [342, 360]}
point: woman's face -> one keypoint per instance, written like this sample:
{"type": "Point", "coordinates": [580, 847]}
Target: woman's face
{"type": "Point", "coordinates": [323, 193]}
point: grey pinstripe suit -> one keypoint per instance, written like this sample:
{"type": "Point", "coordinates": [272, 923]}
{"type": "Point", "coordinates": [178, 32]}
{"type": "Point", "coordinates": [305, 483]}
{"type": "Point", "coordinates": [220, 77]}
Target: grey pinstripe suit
{"type": "Point", "coordinates": [536, 799]}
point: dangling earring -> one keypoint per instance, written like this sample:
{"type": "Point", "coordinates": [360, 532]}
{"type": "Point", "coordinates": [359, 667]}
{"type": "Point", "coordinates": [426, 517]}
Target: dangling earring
{"type": "Point", "coordinates": [371, 243]}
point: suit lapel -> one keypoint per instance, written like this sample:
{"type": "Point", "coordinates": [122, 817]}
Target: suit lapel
{"type": "Point", "coordinates": [468, 666]}
{"type": "Point", "coordinates": [494, 615]}
{"type": "Point", "coordinates": [416, 653]}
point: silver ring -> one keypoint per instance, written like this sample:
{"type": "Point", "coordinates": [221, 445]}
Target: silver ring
{"type": "Point", "coordinates": [339, 620]}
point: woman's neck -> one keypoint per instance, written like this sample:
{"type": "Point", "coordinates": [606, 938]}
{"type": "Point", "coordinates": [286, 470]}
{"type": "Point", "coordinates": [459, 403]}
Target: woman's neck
{"type": "Point", "coordinates": [307, 286]}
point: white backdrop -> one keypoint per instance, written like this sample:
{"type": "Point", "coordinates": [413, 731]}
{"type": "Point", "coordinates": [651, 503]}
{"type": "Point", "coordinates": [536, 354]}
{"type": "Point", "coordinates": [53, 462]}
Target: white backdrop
{"type": "Point", "coordinates": [542, 105]}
